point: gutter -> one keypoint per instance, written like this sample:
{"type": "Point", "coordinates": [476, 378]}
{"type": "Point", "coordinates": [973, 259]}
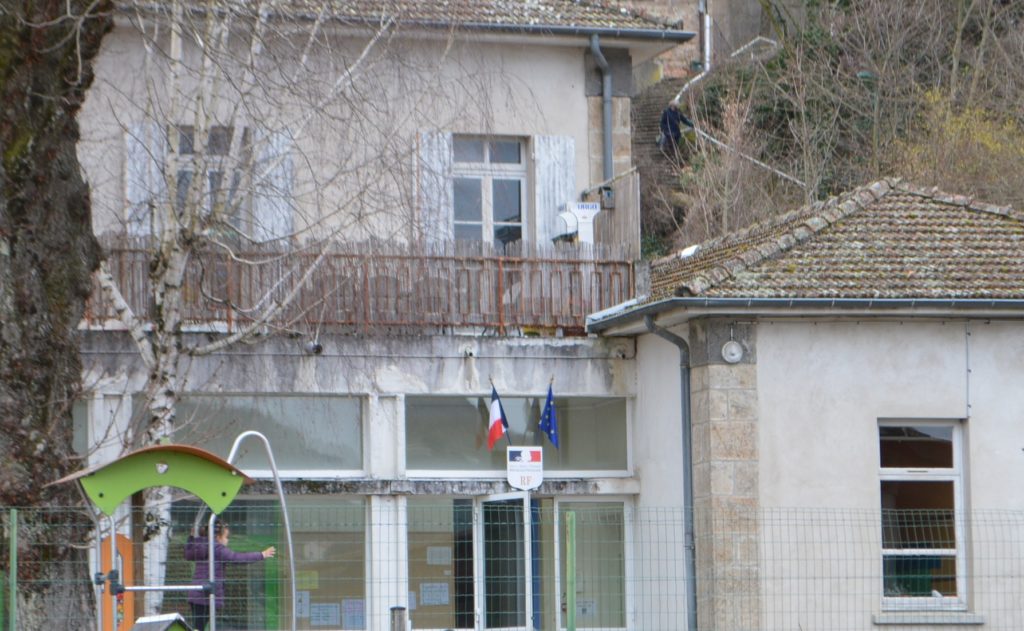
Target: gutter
{"type": "Point", "coordinates": [598, 322]}
{"type": "Point", "coordinates": [689, 541]}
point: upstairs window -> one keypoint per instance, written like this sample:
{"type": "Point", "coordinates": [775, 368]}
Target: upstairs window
{"type": "Point", "coordinates": [247, 178]}
{"type": "Point", "coordinates": [921, 503]}
{"type": "Point", "coordinates": [221, 171]}
{"type": "Point", "coordinates": [489, 178]}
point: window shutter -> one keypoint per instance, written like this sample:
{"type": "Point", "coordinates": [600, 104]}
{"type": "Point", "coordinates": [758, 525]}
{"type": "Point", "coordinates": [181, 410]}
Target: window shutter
{"type": "Point", "coordinates": [273, 183]}
{"type": "Point", "coordinates": [145, 187]}
{"type": "Point", "coordinates": [554, 159]}
{"type": "Point", "coordinates": [435, 187]}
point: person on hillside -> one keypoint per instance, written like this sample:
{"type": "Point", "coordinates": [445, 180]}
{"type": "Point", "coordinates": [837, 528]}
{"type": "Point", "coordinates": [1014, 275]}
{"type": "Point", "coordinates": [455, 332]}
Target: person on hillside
{"type": "Point", "coordinates": [673, 123]}
{"type": "Point", "coordinates": [196, 549]}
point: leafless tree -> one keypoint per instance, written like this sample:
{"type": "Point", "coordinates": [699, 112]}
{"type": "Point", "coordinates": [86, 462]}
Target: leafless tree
{"type": "Point", "coordinates": [256, 133]}
{"type": "Point", "coordinates": [925, 89]}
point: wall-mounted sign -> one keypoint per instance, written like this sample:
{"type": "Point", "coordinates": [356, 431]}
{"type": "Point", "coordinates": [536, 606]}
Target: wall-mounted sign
{"type": "Point", "coordinates": [525, 467]}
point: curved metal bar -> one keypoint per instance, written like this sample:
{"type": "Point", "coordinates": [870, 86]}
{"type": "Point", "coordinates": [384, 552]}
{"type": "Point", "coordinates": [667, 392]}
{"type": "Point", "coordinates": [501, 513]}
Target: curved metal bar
{"type": "Point", "coordinates": [284, 510]}
{"type": "Point", "coordinates": [211, 578]}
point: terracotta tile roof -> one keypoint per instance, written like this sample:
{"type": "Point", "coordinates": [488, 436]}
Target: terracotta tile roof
{"type": "Point", "coordinates": [884, 240]}
{"type": "Point", "coordinates": [496, 14]}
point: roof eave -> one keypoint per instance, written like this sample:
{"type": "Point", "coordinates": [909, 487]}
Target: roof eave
{"type": "Point", "coordinates": [629, 320]}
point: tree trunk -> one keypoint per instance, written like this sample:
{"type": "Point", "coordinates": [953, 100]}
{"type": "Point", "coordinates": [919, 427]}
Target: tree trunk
{"type": "Point", "coordinates": [47, 253]}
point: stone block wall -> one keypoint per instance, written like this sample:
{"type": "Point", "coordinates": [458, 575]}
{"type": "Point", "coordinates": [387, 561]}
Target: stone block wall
{"type": "Point", "coordinates": [725, 453]}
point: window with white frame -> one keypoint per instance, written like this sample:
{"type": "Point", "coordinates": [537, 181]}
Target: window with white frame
{"type": "Point", "coordinates": [312, 435]}
{"type": "Point", "coordinates": [489, 196]}
{"type": "Point", "coordinates": [921, 500]}
{"type": "Point", "coordinates": [449, 433]}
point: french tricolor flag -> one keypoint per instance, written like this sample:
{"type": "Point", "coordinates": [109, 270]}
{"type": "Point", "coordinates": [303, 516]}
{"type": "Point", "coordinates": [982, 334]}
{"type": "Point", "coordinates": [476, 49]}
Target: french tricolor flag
{"type": "Point", "coordinates": [499, 423]}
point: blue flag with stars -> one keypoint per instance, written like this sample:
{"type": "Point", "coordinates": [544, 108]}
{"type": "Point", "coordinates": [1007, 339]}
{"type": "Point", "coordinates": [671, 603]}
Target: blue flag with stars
{"type": "Point", "coordinates": [549, 420]}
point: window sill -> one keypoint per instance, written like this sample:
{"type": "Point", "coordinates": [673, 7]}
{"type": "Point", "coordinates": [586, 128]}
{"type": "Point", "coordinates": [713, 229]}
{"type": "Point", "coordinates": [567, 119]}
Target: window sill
{"type": "Point", "coordinates": [930, 617]}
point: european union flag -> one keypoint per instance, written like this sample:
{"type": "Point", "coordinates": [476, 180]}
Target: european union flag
{"type": "Point", "coordinates": [549, 420]}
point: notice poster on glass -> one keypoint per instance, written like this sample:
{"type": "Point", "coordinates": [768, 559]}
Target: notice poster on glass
{"type": "Point", "coordinates": [353, 613]}
{"type": "Point", "coordinates": [433, 594]}
{"type": "Point", "coordinates": [325, 615]}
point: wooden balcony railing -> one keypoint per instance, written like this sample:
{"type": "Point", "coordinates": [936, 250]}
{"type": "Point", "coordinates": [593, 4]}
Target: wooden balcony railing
{"type": "Point", "coordinates": [364, 288]}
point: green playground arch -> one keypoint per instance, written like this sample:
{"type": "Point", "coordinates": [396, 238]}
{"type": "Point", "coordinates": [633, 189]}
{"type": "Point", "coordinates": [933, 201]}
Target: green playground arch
{"type": "Point", "coordinates": [195, 470]}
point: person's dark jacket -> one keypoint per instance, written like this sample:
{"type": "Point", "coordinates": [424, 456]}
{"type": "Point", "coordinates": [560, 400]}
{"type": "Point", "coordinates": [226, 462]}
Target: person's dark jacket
{"type": "Point", "coordinates": [196, 549]}
{"type": "Point", "coordinates": [672, 121]}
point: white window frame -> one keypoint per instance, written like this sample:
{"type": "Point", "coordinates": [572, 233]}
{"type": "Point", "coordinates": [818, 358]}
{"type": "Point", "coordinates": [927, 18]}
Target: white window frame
{"type": "Point", "coordinates": [487, 172]}
{"type": "Point", "coordinates": [937, 474]}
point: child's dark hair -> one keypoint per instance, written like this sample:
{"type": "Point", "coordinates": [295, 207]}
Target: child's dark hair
{"type": "Point", "coordinates": [219, 528]}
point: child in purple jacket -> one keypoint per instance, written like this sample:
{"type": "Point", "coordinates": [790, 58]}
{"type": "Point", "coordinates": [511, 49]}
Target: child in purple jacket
{"type": "Point", "coordinates": [196, 550]}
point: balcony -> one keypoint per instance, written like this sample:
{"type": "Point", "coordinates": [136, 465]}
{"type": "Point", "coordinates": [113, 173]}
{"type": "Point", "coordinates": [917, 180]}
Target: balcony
{"type": "Point", "coordinates": [375, 288]}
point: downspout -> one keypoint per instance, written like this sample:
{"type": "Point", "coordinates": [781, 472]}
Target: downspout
{"type": "Point", "coordinates": [606, 105]}
{"type": "Point", "coordinates": [689, 545]}
{"type": "Point", "coordinates": [705, 45]}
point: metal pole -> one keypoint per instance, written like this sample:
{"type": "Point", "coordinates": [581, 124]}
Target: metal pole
{"type": "Point", "coordinates": [211, 576]}
{"type": "Point", "coordinates": [284, 509]}
{"type": "Point", "coordinates": [13, 582]}
{"type": "Point", "coordinates": [570, 571]}
{"type": "Point", "coordinates": [113, 575]}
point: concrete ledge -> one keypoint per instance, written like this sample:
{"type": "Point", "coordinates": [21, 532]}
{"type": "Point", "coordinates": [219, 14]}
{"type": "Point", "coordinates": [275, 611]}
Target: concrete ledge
{"type": "Point", "coordinates": [930, 617]}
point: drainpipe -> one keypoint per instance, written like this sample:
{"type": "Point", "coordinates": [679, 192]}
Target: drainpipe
{"type": "Point", "coordinates": [689, 550]}
{"type": "Point", "coordinates": [705, 45]}
{"type": "Point", "coordinates": [606, 104]}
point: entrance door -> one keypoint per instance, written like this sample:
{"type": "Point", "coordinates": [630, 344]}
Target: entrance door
{"type": "Point", "coordinates": [505, 562]}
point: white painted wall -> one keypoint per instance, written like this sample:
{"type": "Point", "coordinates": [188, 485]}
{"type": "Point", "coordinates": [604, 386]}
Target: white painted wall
{"type": "Point", "coordinates": [501, 87]}
{"type": "Point", "coordinates": [822, 388]}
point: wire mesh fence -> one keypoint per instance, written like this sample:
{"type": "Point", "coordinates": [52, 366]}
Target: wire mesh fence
{"type": "Point", "coordinates": [469, 563]}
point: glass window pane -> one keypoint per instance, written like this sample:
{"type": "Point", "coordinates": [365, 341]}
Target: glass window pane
{"type": "Point", "coordinates": [506, 151]}
{"type": "Point", "coordinates": [918, 515]}
{"type": "Point", "coordinates": [450, 433]}
{"type": "Point", "coordinates": [922, 446]}
{"type": "Point", "coordinates": [468, 231]}
{"type": "Point", "coordinates": [507, 234]}
{"type": "Point", "coordinates": [468, 199]}
{"type": "Point", "coordinates": [186, 139]}
{"type": "Point", "coordinates": [441, 553]}
{"type": "Point", "coordinates": [468, 149]}
{"type": "Point", "coordinates": [504, 564]}
{"type": "Point", "coordinates": [322, 432]}
{"type": "Point", "coordinates": [917, 576]}
{"type": "Point", "coordinates": [328, 534]}
{"type": "Point", "coordinates": [600, 562]}
{"type": "Point", "coordinates": [181, 193]}
{"type": "Point", "coordinates": [507, 201]}
{"type": "Point", "coordinates": [220, 140]}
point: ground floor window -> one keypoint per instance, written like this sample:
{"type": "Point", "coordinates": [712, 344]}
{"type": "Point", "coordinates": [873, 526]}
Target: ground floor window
{"type": "Point", "coordinates": [329, 539]}
{"type": "Point", "coordinates": [446, 433]}
{"type": "Point", "coordinates": [309, 434]}
{"type": "Point", "coordinates": [500, 562]}
{"type": "Point", "coordinates": [921, 504]}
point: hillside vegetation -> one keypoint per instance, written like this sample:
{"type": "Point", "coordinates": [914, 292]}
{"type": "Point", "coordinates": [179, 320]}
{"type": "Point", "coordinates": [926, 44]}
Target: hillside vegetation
{"type": "Point", "coordinates": [927, 90]}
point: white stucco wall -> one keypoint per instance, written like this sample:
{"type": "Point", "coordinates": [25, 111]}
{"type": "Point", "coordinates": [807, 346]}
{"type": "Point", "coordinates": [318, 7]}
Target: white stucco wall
{"type": "Point", "coordinates": [657, 429]}
{"type": "Point", "coordinates": [357, 140]}
{"type": "Point", "coordinates": [822, 387]}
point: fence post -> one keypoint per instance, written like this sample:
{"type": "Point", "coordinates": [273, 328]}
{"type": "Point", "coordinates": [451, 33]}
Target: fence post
{"type": "Point", "coordinates": [12, 584]}
{"type": "Point", "coordinates": [398, 622]}
{"type": "Point", "coordinates": [570, 571]}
